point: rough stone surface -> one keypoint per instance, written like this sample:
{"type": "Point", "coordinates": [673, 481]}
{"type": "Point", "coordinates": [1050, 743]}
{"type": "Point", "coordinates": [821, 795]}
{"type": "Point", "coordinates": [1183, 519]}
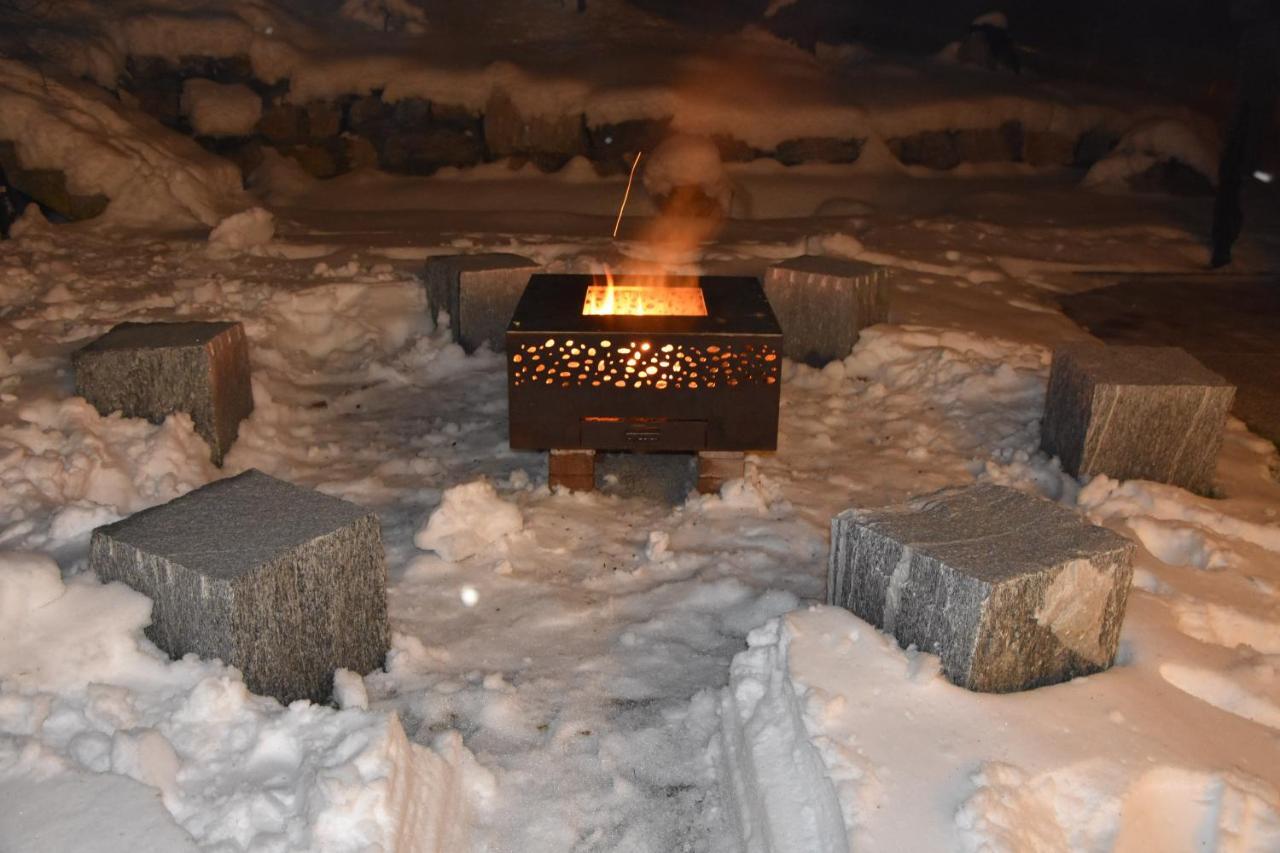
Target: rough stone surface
{"type": "Point", "coordinates": [426, 151]}
{"type": "Point", "coordinates": [508, 132]}
{"type": "Point", "coordinates": [1010, 591]}
{"type": "Point", "coordinates": [946, 149]}
{"type": "Point", "coordinates": [822, 303]}
{"type": "Point", "coordinates": [49, 187]}
{"type": "Point", "coordinates": [480, 293]}
{"type": "Point", "coordinates": [1132, 412]}
{"type": "Point", "coordinates": [285, 583]}
{"type": "Point", "coordinates": [283, 124]}
{"type": "Point", "coordinates": [1093, 145]}
{"type": "Point", "coordinates": [1049, 148]}
{"type": "Point", "coordinates": [815, 149]}
{"type": "Point", "coordinates": [152, 370]}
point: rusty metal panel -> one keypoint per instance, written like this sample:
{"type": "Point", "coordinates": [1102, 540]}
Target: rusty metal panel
{"type": "Point", "coordinates": [567, 370]}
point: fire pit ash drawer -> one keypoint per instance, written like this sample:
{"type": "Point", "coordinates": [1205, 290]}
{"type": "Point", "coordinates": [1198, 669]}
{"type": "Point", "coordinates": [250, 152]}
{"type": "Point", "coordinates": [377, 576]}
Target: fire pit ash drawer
{"type": "Point", "coordinates": [643, 434]}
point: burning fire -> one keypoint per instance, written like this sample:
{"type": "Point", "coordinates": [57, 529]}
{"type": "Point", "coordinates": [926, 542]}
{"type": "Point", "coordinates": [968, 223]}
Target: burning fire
{"type": "Point", "coordinates": [678, 296]}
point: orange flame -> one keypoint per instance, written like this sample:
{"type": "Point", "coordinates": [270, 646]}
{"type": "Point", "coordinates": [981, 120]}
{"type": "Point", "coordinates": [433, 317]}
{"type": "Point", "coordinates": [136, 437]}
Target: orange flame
{"type": "Point", "coordinates": [645, 295]}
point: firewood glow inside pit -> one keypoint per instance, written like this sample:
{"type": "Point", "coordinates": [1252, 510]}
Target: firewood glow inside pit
{"type": "Point", "coordinates": [650, 296]}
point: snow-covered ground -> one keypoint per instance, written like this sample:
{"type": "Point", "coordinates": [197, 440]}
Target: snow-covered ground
{"type": "Point", "coordinates": [579, 645]}
{"type": "Point", "coordinates": [611, 671]}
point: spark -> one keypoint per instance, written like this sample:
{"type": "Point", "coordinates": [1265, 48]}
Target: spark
{"type": "Point", "coordinates": [626, 195]}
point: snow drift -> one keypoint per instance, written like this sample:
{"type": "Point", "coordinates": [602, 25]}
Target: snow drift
{"type": "Point", "coordinates": [152, 176]}
{"type": "Point", "coordinates": [82, 690]}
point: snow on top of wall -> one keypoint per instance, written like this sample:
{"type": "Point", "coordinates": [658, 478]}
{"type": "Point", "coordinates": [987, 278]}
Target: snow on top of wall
{"type": "Point", "coordinates": [219, 109]}
{"type": "Point", "coordinates": [612, 63]}
{"type": "Point", "coordinates": [151, 175]}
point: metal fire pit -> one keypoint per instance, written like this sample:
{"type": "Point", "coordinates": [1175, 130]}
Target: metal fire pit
{"type": "Point", "coordinates": [651, 382]}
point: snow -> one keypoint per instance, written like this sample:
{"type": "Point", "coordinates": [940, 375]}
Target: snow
{"type": "Point", "coordinates": [152, 176]}
{"type": "Point", "coordinates": [625, 64]}
{"type": "Point", "coordinates": [220, 109]}
{"type": "Point", "coordinates": [82, 690]}
{"type": "Point", "coordinates": [608, 671]}
{"type": "Point", "coordinates": [992, 19]}
{"type": "Point", "coordinates": [470, 518]}
{"type": "Point", "coordinates": [1150, 142]}
{"type": "Point", "coordinates": [244, 230]}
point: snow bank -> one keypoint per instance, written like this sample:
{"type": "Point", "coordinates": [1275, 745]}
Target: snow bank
{"type": "Point", "coordinates": [835, 739]}
{"type": "Point", "coordinates": [152, 176]}
{"type": "Point", "coordinates": [244, 230]}
{"type": "Point", "coordinates": [81, 689]}
{"type": "Point", "coordinates": [469, 519]}
{"type": "Point", "coordinates": [68, 469]}
{"type": "Point", "coordinates": [220, 109]}
{"type": "Point", "coordinates": [1151, 142]}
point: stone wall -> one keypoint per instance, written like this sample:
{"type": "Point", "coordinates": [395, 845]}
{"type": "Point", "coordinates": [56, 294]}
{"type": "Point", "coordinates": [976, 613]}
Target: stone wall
{"type": "Point", "coordinates": [418, 137]}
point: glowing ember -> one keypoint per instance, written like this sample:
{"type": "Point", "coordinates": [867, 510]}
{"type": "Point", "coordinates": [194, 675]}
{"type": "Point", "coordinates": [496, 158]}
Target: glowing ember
{"type": "Point", "coordinates": [657, 296]}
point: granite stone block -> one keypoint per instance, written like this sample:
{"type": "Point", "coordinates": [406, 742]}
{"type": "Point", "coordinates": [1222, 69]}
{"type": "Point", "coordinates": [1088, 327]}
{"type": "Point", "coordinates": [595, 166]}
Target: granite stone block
{"type": "Point", "coordinates": [285, 583]}
{"type": "Point", "coordinates": [152, 370]}
{"type": "Point", "coordinates": [1010, 591]}
{"type": "Point", "coordinates": [1133, 412]}
{"type": "Point", "coordinates": [480, 293]}
{"type": "Point", "coordinates": [822, 304]}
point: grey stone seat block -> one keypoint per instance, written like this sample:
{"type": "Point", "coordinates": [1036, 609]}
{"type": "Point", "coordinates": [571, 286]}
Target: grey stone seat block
{"type": "Point", "coordinates": [152, 370]}
{"type": "Point", "coordinates": [1011, 591]}
{"type": "Point", "coordinates": [285, 583]}
{"type": "Point", "coordinates": [1133, 412]}
{"type": "Point", "coordinates": [823, 303]}
{"type": "Point", "coordinates": [480, 293]}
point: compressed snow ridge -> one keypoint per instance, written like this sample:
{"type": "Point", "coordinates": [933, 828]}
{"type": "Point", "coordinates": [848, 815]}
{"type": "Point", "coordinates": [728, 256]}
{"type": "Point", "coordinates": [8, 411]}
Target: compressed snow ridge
{"type": "Point", "coordinates": [152, 176]}
{"type": "Point", "coordinates": [82, 690]}
{"type": "Point", "coordinates": [823, 708]}
{"type": "Point", "coordinates": [780, 794]}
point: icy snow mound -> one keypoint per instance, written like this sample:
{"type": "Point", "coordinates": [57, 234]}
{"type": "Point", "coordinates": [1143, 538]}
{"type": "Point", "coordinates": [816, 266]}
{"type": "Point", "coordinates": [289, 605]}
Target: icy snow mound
{"type": "Point", "coordinates": [244, 230]}
{"type": "Point", "coordinates": [470, 518]}
{"type": "Point", "coordinates": [82, 690]}
{"type": "Point", "coordinates": [152, 176]}
{"type": "Point", "coordinates": [1149, 143]}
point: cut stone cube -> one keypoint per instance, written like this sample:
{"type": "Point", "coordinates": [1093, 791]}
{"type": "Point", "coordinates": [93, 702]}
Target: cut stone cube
{"type": "Point", "coordinates": [152, 370]}
{"type": "Point", "coordinates": [1011, 591]}
{"type": "Point", "coordinates": [480, 293]}
{"type": "Point", "coordinates": [283, 582]}
{"type": "Point", "coordinates": [1132, 412]}
{"type": "Point", "coordinates": [822, 304]}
